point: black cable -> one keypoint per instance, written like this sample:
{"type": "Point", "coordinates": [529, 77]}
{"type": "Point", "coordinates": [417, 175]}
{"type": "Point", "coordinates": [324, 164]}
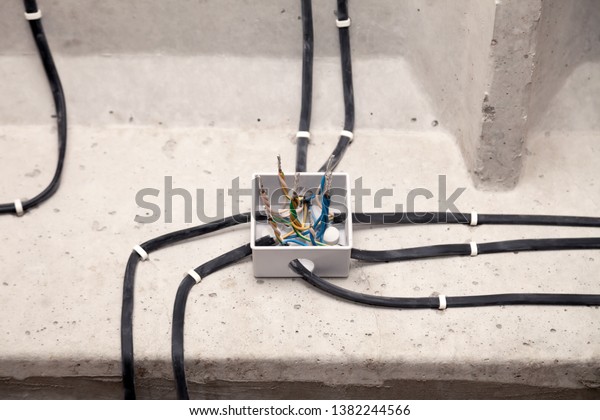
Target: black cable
{"type": "Point", "coordinates": [370, 218]}
{"type": "Point", "coordinates": [542, 220]}
{"type": "Point", "coordinates": [307, 84]}
{"type": "Point", "coordinates": [433, 302]}
{"type": "Point", "coordinates": [346, 58]}
{"type": "Point", "coordinates": [465, 218]}
{"type": "Point", "coordinates": [406, 254]}
{"type": "Point", "coordinates": [177, 353]}
{"type": "Point", "coordinates": [127, 358]}
{"type": "Point", "coordinates": [61, 112]}
{"type": "Point", "coordinates": [434, 218]}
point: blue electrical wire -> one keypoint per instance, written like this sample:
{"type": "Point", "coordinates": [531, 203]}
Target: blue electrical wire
{"type": "Point", "coordinates": [324, 219]}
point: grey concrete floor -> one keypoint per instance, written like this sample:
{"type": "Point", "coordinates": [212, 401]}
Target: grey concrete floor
{"type": "Point", "coordinates": [63, 265]}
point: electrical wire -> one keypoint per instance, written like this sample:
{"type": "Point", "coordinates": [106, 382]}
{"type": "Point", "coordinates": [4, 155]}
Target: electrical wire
{"type": "Point", "coordinates": [466, 218]}
{"type": "Point", "coordinates": [434, 302]}
{"type": "Point", "coordinates": [127, 357]}
{"type": "Point", "coordinates": [363, 218]}
{"type": "Point", "coordinates": [307, 84]}
{"type": "Point", "coordinates": [41, 42]}
{"type": "Point", "coordinates": [177, 337]}
{"type": "Point", "coordinates": [406, 254]}
{"type": "Point", "coordinates": [346, 59]}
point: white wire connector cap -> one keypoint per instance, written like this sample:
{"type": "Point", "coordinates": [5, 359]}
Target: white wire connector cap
{"type": "Point", "coordinates": [19, 211]}
{"type": "Point", "coordinates": [143, 254]}
{"type": "Point", "coordinates": [34, 16]}
{"type": "Point", "coordinates": [303, 134]}
{"type": "Point", "coordinates": [443, 303]}
{"type": "Point", "coordinates": [343, 23]}
{"type": "Point", "coordinates": [474, 250]}
{"type": "Point", "coordinates": [474, 218]}
{"type": "Point", "coordinates": [348, 134]}
{"type": "Point", "coordinates": [193, 274]}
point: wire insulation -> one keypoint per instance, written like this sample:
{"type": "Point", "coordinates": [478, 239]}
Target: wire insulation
{"type": "Point", "coordinates": [127, 356]}
{"type": "Point", "coordinates": [361, 218]}
{"type": "Point", "coordinates": [433, 302]}
{"type": "Point", "coordinates": [177, 337]}
{"type": "Point", "coordinates": [58, 95]}
{"type": "Point", "coordinates": [465, 218]}
{"type": "Point", "coordinates": [307, 84]}
{"type": "Point", "coordinates": [406, 254]}
{"type": "Point", "coordinates": [347, 85]}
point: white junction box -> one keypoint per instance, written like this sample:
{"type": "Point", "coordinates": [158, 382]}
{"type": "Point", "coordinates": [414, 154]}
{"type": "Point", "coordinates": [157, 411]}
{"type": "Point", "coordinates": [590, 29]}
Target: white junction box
{"type": "Point", "coordinates": [329, 261]}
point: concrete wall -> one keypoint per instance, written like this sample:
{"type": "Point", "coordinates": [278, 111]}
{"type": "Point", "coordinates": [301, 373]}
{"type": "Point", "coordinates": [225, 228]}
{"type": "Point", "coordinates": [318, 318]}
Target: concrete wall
{"type": "Point", "coordinates": [565, 94]}
{"type": "Point", "coordinates": [487, 72]}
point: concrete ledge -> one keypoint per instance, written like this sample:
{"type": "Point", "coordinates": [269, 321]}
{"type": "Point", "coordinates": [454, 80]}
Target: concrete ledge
{"type": "Point", "coordinates": [240, 329]}
{"type": "Point", "coordinates": [108, 388]}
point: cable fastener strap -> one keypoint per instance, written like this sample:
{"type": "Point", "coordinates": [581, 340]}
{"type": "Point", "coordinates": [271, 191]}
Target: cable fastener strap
{"type": "Point", "coordinates": [143, 254]}
{"type": "Point", "coordinates": [34, 16]}
{"type": "Point", "coordinates": [443, 303]}
{"type": "Point", "coordinates": [474, 250]}
{"type": "Point", "coordinates": [474, 218]}
{"type": "Point", "coordinates": [195, 276]}
{"type": "Point", "coordinates": [343, 23]}
{"type": "Point", "coordinates": [303, 134]}
{"type": "Point", "coordinates": [19, 211]}
{"type": "Point", "coordinates": [348, 134]}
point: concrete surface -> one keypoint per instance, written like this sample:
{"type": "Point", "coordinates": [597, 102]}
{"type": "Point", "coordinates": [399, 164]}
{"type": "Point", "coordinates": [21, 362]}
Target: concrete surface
{"type": "Point", "coordinates": [487, 72]}
{"type": "Point", "coordinates": [500, 149]}
{"type": "Point", "coordinates": [211, 108]}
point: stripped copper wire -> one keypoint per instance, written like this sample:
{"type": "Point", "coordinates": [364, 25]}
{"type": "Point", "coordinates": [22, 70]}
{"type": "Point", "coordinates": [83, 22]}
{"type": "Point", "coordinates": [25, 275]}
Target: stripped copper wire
{"type": "Point", "coordinates": [281, 176]}
{"type": "Point", "coordinates": [267, 204]}
{"type": "Point", "coordinates": [328, 175]}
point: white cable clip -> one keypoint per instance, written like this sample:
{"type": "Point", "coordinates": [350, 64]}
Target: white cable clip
{"type": "Point", "coordinates": [474, 218]}
{"type": "Point", "coordinates": [343, 23]}
{"type": "Point", "coordinates": [348, 134]}
{"type": "Point", "coordinates": [303, 134]}
{"type": "Point", "coordinates": [474, 250]}
{"type": "Point", "coordinates": [143, 254]}
{"type": "Point", "coordinates": [34, 16]}
{"type": "Point", "coordinates": [443, 303]}
{"type": "Point", "coordinates": [19, 211]}
{"type": "Point", "coordinates": [195, 276]}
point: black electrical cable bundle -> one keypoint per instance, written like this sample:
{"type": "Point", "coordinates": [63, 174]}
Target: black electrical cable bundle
{"type": "Point", "coordinates": [177, 338]}
{"type": "Point", "coordinates": [183, 292]}
{"type": "Point", "coordinates": [307, 84]}
{"type": "Point", "coordinates": [346, 58]}
{"type": "Point", "coordinates": [450, 301]}
{"type": "Point", "coordinates": [433, 218]}
{"type": "Point", "coordinates": [365, 218]}
{"type": "Point", "coordinates": [407, 254]}
{"type": "Point", "coordinates": [61, 112]}
{"type": "Point", "coordinates": [466, 218]}
{"type": "Point", "coordinates": [127, 358]}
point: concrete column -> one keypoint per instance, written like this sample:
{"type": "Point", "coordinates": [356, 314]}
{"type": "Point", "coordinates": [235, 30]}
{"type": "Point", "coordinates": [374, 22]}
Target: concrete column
{"type": "Point", "coordinates": [498, 154]}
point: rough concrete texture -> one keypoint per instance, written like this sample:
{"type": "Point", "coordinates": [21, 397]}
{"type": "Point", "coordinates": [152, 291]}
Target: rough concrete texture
{"type": "Point", "coordinates": [66, 261]}
{"type": "Point", "coordinates": [565, 94]}
{"type": "Point", "coordinates": [499, 151]}
{"type": "Point", "coordinates": [487, 72]}
{"type": "Point", "coordinates": [207, 106]}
